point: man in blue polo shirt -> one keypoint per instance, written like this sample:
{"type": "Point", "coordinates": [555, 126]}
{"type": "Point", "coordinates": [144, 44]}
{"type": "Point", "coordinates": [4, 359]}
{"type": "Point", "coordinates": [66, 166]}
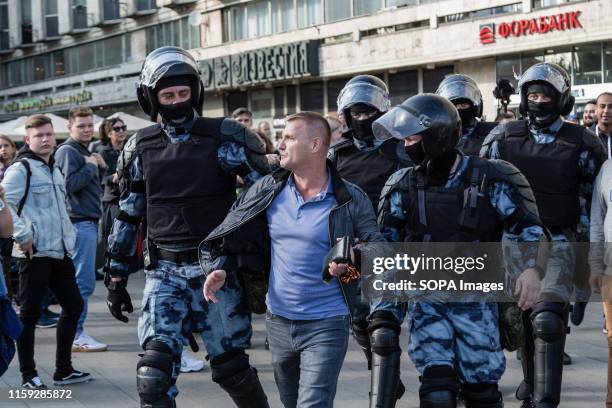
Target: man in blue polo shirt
{"type": "Point", "coordinates": [309, 207]}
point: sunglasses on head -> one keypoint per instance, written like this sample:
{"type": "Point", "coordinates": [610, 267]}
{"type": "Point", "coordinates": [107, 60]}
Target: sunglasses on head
{"type": "Point", "coordinates": [119, 128]}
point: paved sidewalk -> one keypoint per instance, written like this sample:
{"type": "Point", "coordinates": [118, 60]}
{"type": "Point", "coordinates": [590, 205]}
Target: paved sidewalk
{"type": "Point", "coordinates": [114, 385]}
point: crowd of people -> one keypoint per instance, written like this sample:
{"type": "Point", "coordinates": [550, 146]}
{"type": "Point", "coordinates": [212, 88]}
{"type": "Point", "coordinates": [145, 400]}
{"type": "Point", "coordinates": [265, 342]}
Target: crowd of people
{"type": "Point", "coordinates": [229, 220]}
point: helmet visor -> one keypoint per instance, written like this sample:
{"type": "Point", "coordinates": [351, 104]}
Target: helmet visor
{"type": "Point", "coordinates": [460, 90]}
{"type": "Point", "coordinates": [546, 73]}
{"type": "Point", "coordinates": [156, 66]}
{"type": "Point", "coordinates": [363, 93]}
{"type": "Point", "coordinates": [400, 123]}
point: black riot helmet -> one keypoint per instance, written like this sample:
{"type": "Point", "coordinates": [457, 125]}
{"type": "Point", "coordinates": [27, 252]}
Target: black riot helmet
{"type": "Point", "coordinates": [166, 67]}
{"type": "Point", "coordinates": [550, 76]}
{"type": "Point", "coordinates": [363, 93]}
{"type": "Point", "coordinates": [461, 88]}
{"type": "Point", "coordinates": [433, 117]}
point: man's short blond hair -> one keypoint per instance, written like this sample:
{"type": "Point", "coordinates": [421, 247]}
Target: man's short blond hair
{"type": "Point", "coordinates": [79, 112]}
{"type": "Point", "coordinates": [36, 121]}
{"type": "Point", "coordinates": [316, 122]}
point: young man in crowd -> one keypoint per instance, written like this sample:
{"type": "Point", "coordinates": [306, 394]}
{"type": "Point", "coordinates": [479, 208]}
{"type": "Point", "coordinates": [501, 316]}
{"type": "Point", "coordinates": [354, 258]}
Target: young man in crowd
{"type": "Point", "coordinates": [83, 172]}
{"type": "Point", "coordinates": [45, 240]}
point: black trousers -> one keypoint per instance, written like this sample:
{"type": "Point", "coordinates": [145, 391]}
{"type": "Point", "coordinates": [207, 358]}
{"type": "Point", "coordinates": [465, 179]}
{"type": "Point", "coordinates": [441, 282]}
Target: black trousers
{"type": "Point", "coordinates": [35, 276]}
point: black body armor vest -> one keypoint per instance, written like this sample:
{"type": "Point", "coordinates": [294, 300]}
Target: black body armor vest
{"type": "Point", "coordinates": [459, 214]}
{"type": "Point", "coordinates": [188, 195]}
{"type": "Point", "coordinates": [368, 169]}
{"type": "Point", "coordinates": [471, 145]}
{"type": "Point", "coordinates": [551, 169]}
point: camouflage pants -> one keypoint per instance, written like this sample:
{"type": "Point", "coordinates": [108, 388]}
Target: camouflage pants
{"type": "Point", "coordinates": [464, 336]}
{"type": "Point", "coordinates": [173, 306]}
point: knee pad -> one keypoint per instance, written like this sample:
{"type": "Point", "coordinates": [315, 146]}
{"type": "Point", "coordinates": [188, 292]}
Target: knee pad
{"type": "Point", "coordinates": [438, 388]}
{"type": "Point", "coordinates": [481, 395]}
{"type": "Point", "coordinates": [360, 332]}
{"type": "Point", "coordinates": [229, 366]}
{"type": "Point", "coordinates": [154, 373]}
{"type": "Point", "coordinates": [548, 326]}
{"type": "Point", "coordinates": [384, 333]}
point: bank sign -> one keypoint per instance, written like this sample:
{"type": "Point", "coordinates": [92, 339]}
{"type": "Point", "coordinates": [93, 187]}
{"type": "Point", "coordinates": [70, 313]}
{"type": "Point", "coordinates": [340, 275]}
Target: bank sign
{"type": "Point", "coordinates": [534, 26]}
{"type": "Point", "coordinates": [264, 65]}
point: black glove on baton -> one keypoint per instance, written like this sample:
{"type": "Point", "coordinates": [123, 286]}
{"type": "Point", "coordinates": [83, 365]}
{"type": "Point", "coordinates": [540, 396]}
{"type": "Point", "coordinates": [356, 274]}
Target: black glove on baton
{"type": "Point", "coordinates": [119, 300]}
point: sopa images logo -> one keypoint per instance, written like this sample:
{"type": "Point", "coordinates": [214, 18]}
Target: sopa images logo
{"type": "Point", "coordinates": [487, 33]}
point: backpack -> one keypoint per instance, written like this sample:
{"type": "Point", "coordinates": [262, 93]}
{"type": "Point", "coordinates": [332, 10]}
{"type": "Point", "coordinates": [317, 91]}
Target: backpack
{"type": "Point", "coordinates": [7, 248]}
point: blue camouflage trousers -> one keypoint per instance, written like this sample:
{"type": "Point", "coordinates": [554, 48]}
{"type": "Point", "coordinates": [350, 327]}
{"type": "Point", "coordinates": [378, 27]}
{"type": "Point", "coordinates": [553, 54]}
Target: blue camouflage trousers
{"type": "Point", "coordinates": [464, 336]}
{"type": "Point", "coordinates": [174, 306]}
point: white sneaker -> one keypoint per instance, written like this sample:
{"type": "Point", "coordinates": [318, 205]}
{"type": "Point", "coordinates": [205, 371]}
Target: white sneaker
{"type": "Point", "coordinates": [86, 343]}
{"type": "Point", "coordinates": [190, 364]}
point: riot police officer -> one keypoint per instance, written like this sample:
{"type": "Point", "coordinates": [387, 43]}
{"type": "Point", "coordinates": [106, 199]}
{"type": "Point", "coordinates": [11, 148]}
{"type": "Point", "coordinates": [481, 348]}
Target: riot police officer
{"type": "Point", "coordinates": [368, 163]}
{"type": "Point", "coordinates": [560, 160]}
{"type": "Point", "coordinates": [463, 92]}
{"type": "Point", "coordinates": [451, 197]}
{"type": "Point", "coordinates": [181, 174]}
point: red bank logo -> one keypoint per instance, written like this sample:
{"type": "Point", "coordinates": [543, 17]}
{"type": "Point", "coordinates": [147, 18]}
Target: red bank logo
{"type": "Point", "coordinates": [540, 25]}
{"type": "Point", "coordinates": [487, 33]}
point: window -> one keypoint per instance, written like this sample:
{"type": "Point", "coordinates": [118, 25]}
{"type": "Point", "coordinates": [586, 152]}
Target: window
{"type": "Point", "coordinates": [433, 77]}
{"type": "Point", "coordinates": [291, 92]}
{"type": "Point", "coordinates": [110, 10]}
{"type": "Point", "coordinates": [79, 14]}
{"type": "Point", "coordinates": [607, 57]}
{"type": "Point", "coordinates": [530, 58]}
{"type": "Point", "coordinates": [548, 3]}
{"type": "Point", "coordinates": [283, 16]}
{"type": "Point", "coordinates": [177, 33]}
{"type": "Point", "coordinates": [51, 19]}
{"type": "Point", "coordinates": [337, 10]}
{"type": "Point", "coordinates": [400, 3]}
{"type": "Point", "coordinates": [235, 23]}
{"type": "Point", "coordinates": [363, 7]}
{"type": "Point", "coordinates": [236, 100]}
{"type": "Point", "coordinates": [4, 26]}
{"type": "Point", "coordinates": [261, 103]}
{"type": "Point", "coordinates": [488, 12]}
{"type": "Point", "coordinates": [309, 13]}
{"type": "Point", "coordinates": [334, 87]}
{"type": "Point", "coordinates": [279, 102]}
{"type": "Point", "coordinates": [404, 85]}
{"type": "Point", "coordinates": [508, 67]}
{"type": "Point", "coordinates": [144, 5]}
{"type": "Point", "coordinates": [311, 97]}
{"type": "Point", "coordinates": [42, 67]}
{"type": "Point", "coordinates": [587, 64]}
{"type": "Point", "coordinates": [26, 22]}
{"type": "Point", "coordinates": [258, 17]}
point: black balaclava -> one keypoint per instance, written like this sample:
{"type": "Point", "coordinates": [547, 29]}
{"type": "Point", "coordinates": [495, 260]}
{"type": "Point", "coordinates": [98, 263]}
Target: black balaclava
{"type": "Point", "coordinates": [415, 152]}
{"type": "Point", "coordinates": [362, 129]}
{"type": "Point", "coordinates": [543, 114]}
{"type": "Point", "coordinates": [176, 113]}
{"type": "Point", "coordinates": [468, 116]}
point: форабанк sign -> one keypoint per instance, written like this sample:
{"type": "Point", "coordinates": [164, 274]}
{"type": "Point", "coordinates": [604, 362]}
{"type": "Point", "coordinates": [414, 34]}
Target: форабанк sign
{"type": "Point", "coordinates": [539, 25]}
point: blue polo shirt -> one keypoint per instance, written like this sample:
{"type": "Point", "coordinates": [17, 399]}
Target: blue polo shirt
{"type": "Point", "coordinates": [299, 236]}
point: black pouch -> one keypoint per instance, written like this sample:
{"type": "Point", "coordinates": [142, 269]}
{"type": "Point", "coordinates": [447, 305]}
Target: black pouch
{"type": "Point", "coordinates": [149, 254]}
{"type": "Point", "coordinates": [340, 253]}
{"type": "Point", "coordinates": [254, 288]}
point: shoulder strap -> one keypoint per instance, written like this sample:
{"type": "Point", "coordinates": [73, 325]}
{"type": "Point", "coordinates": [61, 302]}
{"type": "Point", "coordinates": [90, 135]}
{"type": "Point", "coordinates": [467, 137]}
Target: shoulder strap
{"type": "Point", "coordinates": [22, 202]}
{"type": "Point", "coordinates": [207, 127]}
{"type": "Point", "coordinates": [516, 128]}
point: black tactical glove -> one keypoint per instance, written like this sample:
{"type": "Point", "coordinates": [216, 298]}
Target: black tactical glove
{"type": "Point", "coordinates": [119, 300]}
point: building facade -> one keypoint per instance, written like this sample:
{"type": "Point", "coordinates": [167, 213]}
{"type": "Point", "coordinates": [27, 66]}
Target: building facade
{"type": "Point", "coordinates": [280, 56]}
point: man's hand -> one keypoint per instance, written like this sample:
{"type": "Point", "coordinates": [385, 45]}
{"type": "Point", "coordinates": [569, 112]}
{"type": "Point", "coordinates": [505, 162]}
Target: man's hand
{"type": "Point", "coordinates": [91, 159]}
{"type": "Point", "coordinates": [595, 282]}
{"type": "Point", "coordinates": [527, 288]}
{"type": "Point", "coordinates": [118, 299]}
{"type": "Point", "coordinates": [115, 179]}
{"type": "Point", "coordinates": [27, 248]}
{"type": "Point", "coordinates": [214, 281]}
{"type": "Point", "coordinates": [99, 160]}
{"type": "Point", "coordinates": [339, 269]}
